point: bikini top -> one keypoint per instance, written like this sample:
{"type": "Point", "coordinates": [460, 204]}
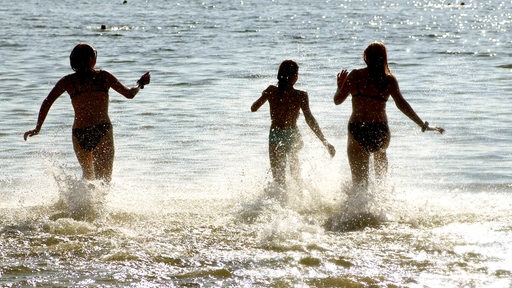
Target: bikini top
{"type": "Point", "coordinates": [96, 83]}
{"type": "Point", "coordinates": [378, 98]}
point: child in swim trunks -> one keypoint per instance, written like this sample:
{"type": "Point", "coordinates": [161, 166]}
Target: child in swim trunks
{"type": "Point", "coordinates": [93, 139]}
{"type": "Point", "coordinates": [370, 88]}
{"type": "Point", "coordinates": [284, 138]}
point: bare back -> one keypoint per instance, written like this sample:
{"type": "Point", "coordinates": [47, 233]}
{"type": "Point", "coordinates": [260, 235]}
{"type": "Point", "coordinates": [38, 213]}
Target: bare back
{"type": "Point", "coordinates": [89, 97]}
{"type": "Point", "coordinates": [368, 98]}
{"type": "Point", "coordinates": [284, 107]}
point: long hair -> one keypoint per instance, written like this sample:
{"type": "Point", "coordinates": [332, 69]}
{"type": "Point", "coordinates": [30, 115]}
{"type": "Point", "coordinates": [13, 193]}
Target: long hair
{"type": "Point", "coordinates": [376, 59]}
{"type": "Point", "coordinates": [80, 57]}
{"type": "Point", "coordinates": [287, 71]}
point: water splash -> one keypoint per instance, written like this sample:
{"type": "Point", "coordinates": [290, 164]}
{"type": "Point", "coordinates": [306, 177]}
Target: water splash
{"type": "Point", "coordinates": [363, 207]}
{"type": "Point", "coordinates": [78, 198]}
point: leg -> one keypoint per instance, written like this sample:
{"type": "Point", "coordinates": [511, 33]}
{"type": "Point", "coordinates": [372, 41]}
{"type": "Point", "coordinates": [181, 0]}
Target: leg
{"type": "Point", "coordinates": [381, 165]}
{"type": "Point", "coordinates": [103, 156]}
{"type": "Point", "coordinates": [381, 159]}
{"type": "Point", "coordinates": [277, 157]}
{"type": "Point", "coordinates": [85, 160]}
{"type": "Point", "coordinates": [359, 160]}
{"type": "Point", "coordinates": [295, 166]}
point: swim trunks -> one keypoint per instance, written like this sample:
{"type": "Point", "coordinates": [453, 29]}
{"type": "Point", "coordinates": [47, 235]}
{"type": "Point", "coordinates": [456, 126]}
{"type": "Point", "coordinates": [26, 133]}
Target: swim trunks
{"type": "Point", "coordinates": [89, 137]}
{"type": "Point", "coordinates": [288, 138]}
{"type": "Point", "coordinates": [371, 136]}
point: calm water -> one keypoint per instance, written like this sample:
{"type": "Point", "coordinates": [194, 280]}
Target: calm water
{"type": "Point", "coordinates": [188, 203]}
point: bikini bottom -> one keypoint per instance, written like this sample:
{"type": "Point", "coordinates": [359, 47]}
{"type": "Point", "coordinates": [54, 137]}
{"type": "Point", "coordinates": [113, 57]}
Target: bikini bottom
{"type": "Point", "coordinates": [89, 137]}
{"type": "Point", "coordinates": [371, 136]}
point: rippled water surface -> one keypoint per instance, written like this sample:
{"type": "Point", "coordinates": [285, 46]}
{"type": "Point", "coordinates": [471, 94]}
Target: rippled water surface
{"type": "Point", "coordinates": [191, 205]}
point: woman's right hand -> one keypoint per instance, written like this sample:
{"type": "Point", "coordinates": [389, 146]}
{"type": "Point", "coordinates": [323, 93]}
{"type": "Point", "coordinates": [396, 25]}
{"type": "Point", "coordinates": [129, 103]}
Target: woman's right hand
{"type": "Point", "coordinates": [342, 76]}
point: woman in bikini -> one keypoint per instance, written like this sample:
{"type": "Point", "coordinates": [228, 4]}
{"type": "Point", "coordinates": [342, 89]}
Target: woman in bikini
{"type": "Point", "coordinates": [284, 138]}
{"type": "Point", "coordinates": [370, 88]}
{"type": "Point", "coordinates": [92, 134]}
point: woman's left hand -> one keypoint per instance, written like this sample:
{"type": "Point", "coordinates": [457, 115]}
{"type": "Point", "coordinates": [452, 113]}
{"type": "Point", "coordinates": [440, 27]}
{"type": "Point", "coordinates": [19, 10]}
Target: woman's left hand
{"type": "Point", "coordinates": [425, 127]}
{"type": "Point", "coordinates": [440, 130]}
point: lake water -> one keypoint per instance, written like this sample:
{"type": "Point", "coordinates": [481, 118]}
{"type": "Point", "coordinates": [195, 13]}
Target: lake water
{"type": "Point", "coordinates": [188, 204]}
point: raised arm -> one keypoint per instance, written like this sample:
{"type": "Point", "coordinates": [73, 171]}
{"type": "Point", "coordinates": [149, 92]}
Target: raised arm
{"type": "Point", "coordinates": [125, 91]}
{"type": "Point", "coordinates": [313, 124]}
{"type": "Point", "coordinates": [57, 90]}
{"type": "Point", "coordinates": [344, 86]}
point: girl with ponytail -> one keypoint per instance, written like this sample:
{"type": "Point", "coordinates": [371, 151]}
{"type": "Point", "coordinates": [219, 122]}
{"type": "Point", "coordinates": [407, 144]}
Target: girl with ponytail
{"type": "Point", "coordinates": [284, 140]}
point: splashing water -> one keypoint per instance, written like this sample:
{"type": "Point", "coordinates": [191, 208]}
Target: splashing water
{"type": "Point", "coordinates": [80, 199]}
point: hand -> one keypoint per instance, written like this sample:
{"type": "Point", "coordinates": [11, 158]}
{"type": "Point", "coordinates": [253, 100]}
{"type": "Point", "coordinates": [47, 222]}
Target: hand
{"type": "Point", "coordinates": [425, 127]}
{"type": "Point", "coordinates": [144, 80]}
{"type": "Point", "coordinates": [440, 130]}
{"type": "Point", "coordinates": [30, 134]}
{"type": "Point", "coordinates": [330, 149]}
{"type": "Point", "coordinates": [342, 76]}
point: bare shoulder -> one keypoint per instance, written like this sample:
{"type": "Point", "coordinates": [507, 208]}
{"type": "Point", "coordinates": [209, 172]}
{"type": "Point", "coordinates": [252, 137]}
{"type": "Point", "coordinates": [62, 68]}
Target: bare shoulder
{"type": "Point", "coordinates": [106, 74]}
{"type": "Point", "coordinates": [301, 94]}
{"type": "Point", "coordinates": [269, 92]}
{"type": "Point", "coordinates": [66, 81]}
{"type": "Point", "coordinates": [357, 73]}
{"type": "Point", "coordinates": [270, 89]}
{"type": "Point", "coordinates": [392, 81]}
{"type": "Point", "coordinates": [67, 78]}
{"type": "Point", "coordinates": [302, 97]}
{"type": "Point", "coordinates": [108, 77]}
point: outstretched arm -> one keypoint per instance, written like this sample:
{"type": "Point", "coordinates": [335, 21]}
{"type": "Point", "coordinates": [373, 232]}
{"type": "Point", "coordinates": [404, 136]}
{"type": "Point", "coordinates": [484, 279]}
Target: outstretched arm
{"type": "Point", "coordinates": [57, 90]}
{"type": "Point", "coordinates": [313, 124]}
{"type": "Point", "coordinates": [406, 108]}
{"type": "Point", "coordinates": [125, 91]}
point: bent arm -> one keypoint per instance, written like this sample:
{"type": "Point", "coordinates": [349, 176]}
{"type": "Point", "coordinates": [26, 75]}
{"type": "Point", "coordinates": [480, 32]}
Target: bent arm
{"type": "Point", "coordinates": [57, 90]}
{"type": "Point", "coordinates": [125, 91]}
{"type": "Point", "coordinates": [258, 103]}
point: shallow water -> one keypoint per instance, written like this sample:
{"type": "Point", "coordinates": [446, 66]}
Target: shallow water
{"type": "Point", "coordinates": [191, 204]}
